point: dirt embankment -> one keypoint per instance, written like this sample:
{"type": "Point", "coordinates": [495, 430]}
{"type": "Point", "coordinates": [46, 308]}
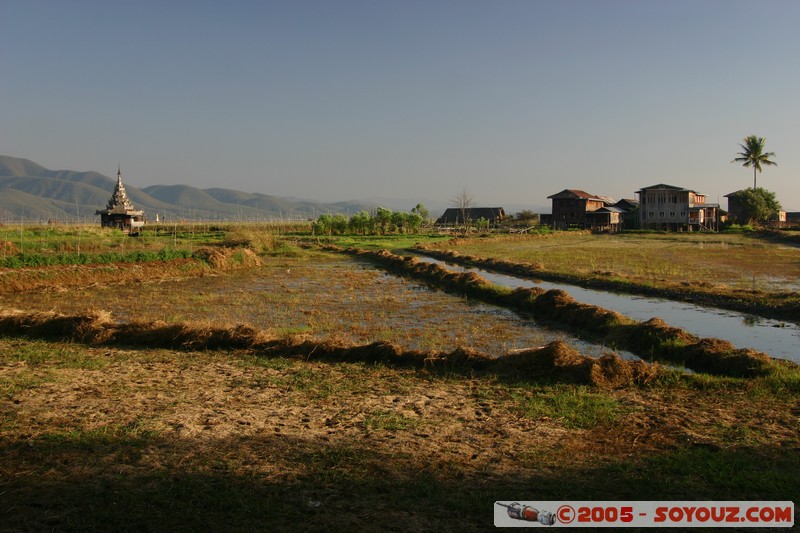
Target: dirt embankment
{"type": "Point", "coordinates": [652, 339]}
{"type": "Point", "coordinates": [204, 261]}
{"type": "Point", "coordinates": [755, 302]}
{"type": "Point", "coordinates": [556, 360]}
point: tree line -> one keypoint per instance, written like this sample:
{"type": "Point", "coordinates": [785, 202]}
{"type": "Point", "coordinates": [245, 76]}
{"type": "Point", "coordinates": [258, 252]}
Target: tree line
{"type": "Point", "coordinates": [381, 221]}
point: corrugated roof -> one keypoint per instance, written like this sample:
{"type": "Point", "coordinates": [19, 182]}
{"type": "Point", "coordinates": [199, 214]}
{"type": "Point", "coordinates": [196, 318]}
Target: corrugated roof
{"type": "Point", "coordinates": [575, 193]}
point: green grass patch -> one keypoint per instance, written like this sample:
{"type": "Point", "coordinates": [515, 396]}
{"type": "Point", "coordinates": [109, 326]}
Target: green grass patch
{"type": "Point", "coordinates": [21, 381]}
{"type": "Point", "coordinates": [39, 353]}
{"type": "Point", "coordinates": [390, 421]}
{"type": "Point", "coordinates": [133, 433]}
{"type": "Point", "coordinates": [393, 243]}
{"type": "Point", "coordinates": [576, 407]}
{"type": "Point", "coordinates": [24, 260]}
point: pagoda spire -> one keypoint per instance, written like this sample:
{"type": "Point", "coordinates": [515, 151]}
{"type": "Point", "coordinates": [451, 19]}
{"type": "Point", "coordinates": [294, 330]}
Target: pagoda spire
{"type": "Point", "coordinates": [119, 200]}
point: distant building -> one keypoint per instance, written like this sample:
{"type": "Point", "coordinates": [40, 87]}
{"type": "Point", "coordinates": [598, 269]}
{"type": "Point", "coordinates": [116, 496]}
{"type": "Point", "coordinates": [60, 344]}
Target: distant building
{"type": "Point", "coordinates": [607, 218]}
{"type": "Point", "coordinates": [671, 208]}
{"type": "Point", "coordinates": [630, 213]}
{"type": "Point", "coordinates": [573, 208]}
{"type": "Point", "coordinates": [119, 212]}
{"type": "Point", "coordinates": [456, 215]}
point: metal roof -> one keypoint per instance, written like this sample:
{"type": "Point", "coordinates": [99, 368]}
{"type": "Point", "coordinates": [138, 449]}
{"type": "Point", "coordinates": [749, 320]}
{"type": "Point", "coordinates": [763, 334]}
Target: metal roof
{"type": "Point", "coordinates": [576, 193]}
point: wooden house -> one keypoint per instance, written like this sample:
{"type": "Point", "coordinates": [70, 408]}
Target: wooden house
{"type": "Point", "coordinates": [607, 218]}
{"type": "Point", "coordinates": [572, 208]}
{"type": "Point", "coordinates": [119, 212]}
{"type": "Point", "coordinates": [671, 208]}
{"type": "Point", "coordinates": [455, 215]}
{"type": "Point", "coordinates": [630, 213]}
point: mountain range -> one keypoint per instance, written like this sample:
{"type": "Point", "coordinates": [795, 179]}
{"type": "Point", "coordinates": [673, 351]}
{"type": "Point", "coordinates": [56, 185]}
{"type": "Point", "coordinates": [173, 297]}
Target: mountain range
{"type": "Point", "coordinates": [31, 192]}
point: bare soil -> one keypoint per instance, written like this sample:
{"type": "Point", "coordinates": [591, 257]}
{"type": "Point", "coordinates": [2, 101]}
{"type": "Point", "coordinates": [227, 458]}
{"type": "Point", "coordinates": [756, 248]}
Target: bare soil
{"type": "Point", "coordinates": [162, 440]}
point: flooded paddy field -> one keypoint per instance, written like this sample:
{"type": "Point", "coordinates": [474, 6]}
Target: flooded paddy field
{"type": "Point", "coordinates": [727, 261]}
{"type": "Point", "coordinates": [325, 298]}
{"type": "Point", "coordinates": [774, 337]}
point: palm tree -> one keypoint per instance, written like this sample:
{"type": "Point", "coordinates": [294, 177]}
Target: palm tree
{"type": "Point", "coordinates": [753, 155]}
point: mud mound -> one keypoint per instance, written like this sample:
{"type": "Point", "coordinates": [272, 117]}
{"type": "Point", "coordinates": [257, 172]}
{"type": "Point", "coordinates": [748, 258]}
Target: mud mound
{"type": "Point", "coordinates": [461, 359]}
{"type": "Point", "coordinates": [376, 352]}
{"type": "Point", "coordinates": [228, 258]}
{"type": "Point", "coordinates": [559, 361]}
{"type": "Point", "coordinates": [655, 338]}
{"type": "Point", "coordinates": [524, 297]}
{"type": "Point", "coordinates": [651, 337]}
{"type": "Point", "coordinates": [51, 325]}
{"type": "Point", "coordinates": [721, 357]}
{"type": "Point", "coordinates": [559, 306]}
{"type": "Point", "coordinates": [8, 248]}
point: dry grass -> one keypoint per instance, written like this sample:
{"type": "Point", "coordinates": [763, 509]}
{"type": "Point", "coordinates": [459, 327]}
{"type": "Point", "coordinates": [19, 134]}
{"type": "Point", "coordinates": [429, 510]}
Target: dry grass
{"type": "Point", "coordinates": [736, 261]}
{"type": "Point", "coordinates": [321, 298]}
{"type": "Point", "coordinates": [227, 440]}
{"type": "Point", "coordinates": [684, 285]}
{"type": "Point", "coordinates": [205, 261]}
{"type": "Point", "coordinates": [555, 360]}
{"type": "Point", "coordinates": [8, 248]}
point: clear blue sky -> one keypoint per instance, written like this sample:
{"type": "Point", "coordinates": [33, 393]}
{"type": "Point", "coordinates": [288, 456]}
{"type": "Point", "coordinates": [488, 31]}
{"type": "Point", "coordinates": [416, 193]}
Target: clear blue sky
{"type": "Point", "coordinates": [336, 100]}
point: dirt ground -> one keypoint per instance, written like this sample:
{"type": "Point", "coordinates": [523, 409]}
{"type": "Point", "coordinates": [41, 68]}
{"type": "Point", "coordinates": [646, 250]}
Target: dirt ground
{"type": "Point", "coordinates": [94, 438]}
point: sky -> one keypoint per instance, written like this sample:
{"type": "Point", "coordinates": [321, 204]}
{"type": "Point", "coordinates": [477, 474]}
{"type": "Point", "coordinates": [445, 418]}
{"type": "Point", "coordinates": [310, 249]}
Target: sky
{"type": "Point", "coordinates": [333, 100]}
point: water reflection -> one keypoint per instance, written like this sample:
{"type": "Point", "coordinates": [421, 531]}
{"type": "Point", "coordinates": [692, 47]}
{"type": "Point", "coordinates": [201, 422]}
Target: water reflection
{"type": "Point", "coordinates": [774, 337]}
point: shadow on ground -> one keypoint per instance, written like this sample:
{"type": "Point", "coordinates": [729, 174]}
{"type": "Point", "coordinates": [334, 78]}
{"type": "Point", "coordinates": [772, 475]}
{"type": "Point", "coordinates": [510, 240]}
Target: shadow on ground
{"type": "Point", "coordinates": [146, 483]}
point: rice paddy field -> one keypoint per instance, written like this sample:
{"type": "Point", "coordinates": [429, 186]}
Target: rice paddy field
{"type": "Point", "coordinates": [726, 261]}
{"type": "Point", "coordinates": [327, 298]}
{"type": "Point", "coordinates": [99, 436]}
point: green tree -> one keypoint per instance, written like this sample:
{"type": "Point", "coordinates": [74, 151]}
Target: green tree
{"type": "Point", "coordinates": [423, 212]}
{"type": "Point", "coordinates": [323, 225]}
{"type": "Point", "coordinates": [756, 205]}
{"type": "Point", "coordinates": [753, 155]}
{"type": "Point", "coordinates": [339, 224]}
{"type": "Point", "coordinates": [526, 215]}
{"type": "Point", "coordinates": [399, 220]}
{"type": "Point", "coordinates": [414, 221]}
{"type": "Point", "coordinates": [361, 223]}
{"type": "Point", "coordinates": [383, 217]}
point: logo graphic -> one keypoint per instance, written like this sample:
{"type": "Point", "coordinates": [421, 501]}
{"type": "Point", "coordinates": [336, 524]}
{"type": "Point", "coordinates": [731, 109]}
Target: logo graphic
{"type": "Point", "coordinates": [529, 514]}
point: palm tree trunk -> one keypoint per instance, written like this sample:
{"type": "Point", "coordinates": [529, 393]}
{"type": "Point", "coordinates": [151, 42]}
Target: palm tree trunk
{"type": "Point", "coordinates": [754, 177]}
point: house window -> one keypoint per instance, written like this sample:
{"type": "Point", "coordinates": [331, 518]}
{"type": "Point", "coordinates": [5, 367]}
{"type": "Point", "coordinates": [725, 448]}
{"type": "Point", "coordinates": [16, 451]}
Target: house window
{"type": "Point", "coordinates": [661, 214]}
{"type": "Point", "coordinates": [651, 213]}
{"type": "Point", "coordinates": [672, 213]}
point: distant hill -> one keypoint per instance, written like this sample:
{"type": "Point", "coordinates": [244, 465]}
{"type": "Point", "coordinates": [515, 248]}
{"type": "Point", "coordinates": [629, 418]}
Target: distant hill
{"type": "Point", "coordinates": [31, 192]}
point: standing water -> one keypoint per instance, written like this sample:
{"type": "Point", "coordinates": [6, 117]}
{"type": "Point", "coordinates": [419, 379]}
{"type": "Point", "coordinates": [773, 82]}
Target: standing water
{"type": "Point", "coordinates": [773, 337]}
